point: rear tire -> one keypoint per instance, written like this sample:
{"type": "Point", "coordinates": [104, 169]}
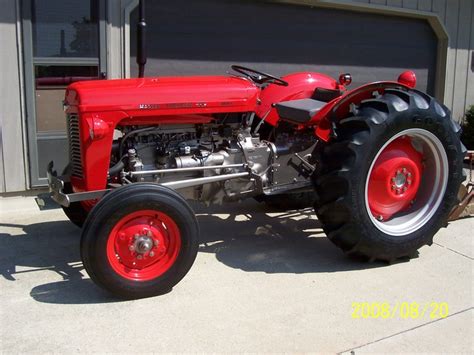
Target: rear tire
{"type": "Point", "coordinates": [139, 241]}
{"type": "Point", "coordinates": [368, 210]}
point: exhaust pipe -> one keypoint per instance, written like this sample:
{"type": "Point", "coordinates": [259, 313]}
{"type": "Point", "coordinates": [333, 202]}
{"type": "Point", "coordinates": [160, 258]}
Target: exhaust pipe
{"type": "Point", "coordinates": [141, 39]}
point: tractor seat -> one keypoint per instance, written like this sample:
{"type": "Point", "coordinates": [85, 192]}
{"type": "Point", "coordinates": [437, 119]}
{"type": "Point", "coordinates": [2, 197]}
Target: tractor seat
{"type": "Point", "coordinates": [299, 111]}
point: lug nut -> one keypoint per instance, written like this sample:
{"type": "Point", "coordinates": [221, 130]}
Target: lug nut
{"type": "Point", "coordinates": [404, 170]}
{"type": "Point", "coordinates": [131, 248]}
{"type": "Point", "coordinates": [393, 187]}
{"type": "Point", "coordinates": [152, 254]}
{"type": "Point", "coordinates": [156, 242]}
{"type": "Point", "coordinates": [149, 233]}
{"type": "Point", "coordinates": [409, 182]}
{"type": "Point", "coordinates": [393, 179]}
{"type": "Point", "coordinates": [380, 218]}
{"type": "Point", "coordinates": [404, 189]}
{"type": "Point", "coordinates": [139, 257]}
{"type": "Point", "coordinates": [409, 174]}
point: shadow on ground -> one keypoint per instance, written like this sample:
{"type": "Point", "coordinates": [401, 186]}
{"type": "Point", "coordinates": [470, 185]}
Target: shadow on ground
{"type": "Point", "coordinates": [285, 242]}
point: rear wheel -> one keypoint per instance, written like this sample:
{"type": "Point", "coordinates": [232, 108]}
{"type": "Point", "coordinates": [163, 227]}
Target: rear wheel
{"type": "Point", "coordinates": [387, 183]}
{"type": "Point", "coordinates": [140, 240]}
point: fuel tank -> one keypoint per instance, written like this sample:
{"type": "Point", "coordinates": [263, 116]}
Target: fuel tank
{"type": "Point", "coordinates": [164, 95]}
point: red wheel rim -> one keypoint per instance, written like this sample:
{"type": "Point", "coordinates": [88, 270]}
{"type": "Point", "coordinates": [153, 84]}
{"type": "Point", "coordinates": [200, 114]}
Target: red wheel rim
{"type": "Point", "coordinates": [143, 245]}
{"type": "Point", "coordinates": [395, 179]}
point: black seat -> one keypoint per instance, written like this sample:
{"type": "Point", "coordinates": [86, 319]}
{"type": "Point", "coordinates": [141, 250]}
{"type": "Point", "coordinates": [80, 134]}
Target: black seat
{"type": "Point", "coordinates": [325, 95]}
{"type": "Point", "coordinates": [298, 111]}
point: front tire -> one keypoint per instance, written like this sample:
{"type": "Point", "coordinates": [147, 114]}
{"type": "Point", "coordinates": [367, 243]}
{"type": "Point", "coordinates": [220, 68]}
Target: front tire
{"type": "Point", "coordinates": [389, 180]}
{"type": "Point", "coordinates": [139, 241]}
{"type": "Point", "coordinates": [76, 212]}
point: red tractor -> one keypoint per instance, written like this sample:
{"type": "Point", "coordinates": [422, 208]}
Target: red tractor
{"type": "Point", "coordinates": [382, 165]}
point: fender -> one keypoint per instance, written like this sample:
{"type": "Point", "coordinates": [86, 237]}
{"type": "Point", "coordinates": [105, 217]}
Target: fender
{"type": "Point", "coordinates": [341, 106]}
{"type": "Point", "coordinates": [301, 86]}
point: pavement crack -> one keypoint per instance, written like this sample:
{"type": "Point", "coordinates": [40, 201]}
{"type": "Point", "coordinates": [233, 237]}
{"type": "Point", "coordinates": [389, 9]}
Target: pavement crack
{"type": "Point", "coordinates": [406, 330]}
{"type": "Point", "coordinates": [454, 251]}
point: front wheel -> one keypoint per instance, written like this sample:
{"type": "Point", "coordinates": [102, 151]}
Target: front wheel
{"type": "Point", "coordinates": [76, 211]}
{"type": "Point", "coordinates": [389, 180]}
{"type": "Point", "coordinates": [140, 240]}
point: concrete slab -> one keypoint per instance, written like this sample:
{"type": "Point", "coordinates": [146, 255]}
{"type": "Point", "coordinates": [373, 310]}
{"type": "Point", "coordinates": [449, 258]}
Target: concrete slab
{"type": "Point", "coordinates": [447, 336]}
{"type": "Point", "coordinates": [262, 282]}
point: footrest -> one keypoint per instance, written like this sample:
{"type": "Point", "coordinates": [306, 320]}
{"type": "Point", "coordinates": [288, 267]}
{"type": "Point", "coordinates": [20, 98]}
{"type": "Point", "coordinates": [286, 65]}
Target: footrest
{"type": "Point", "coordinates": [299, 111]}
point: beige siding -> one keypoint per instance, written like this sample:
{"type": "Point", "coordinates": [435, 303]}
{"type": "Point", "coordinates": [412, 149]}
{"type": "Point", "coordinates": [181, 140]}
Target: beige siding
{"type": "Point", "coordinates": [12, 163]}
{"type": "Point", "coordinates": [458, 17]}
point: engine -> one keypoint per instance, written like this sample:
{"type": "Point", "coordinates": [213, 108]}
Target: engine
{"type": "Point", "coordinates": [230, 145]}
{"type": "Point", "coordinates": [172, 153]}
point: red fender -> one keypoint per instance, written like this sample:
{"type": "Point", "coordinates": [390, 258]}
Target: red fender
{"type": "Point", "coordinates": [340, 107]}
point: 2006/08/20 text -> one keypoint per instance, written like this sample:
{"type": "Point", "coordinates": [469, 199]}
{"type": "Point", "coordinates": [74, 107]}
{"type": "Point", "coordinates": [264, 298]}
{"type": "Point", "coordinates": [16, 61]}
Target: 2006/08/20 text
{"type": "Point", "coordinates": [402, 310]}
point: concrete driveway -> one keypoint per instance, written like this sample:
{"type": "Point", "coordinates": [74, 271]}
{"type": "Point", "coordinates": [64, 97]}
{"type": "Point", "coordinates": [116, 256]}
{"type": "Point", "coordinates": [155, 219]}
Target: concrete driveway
{"type": "Point", "coordinates": [262, 282]}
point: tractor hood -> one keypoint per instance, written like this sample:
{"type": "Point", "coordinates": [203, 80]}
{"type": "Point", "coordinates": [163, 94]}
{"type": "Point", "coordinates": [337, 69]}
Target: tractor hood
{"type": "Point", "coordinates": [164, 95]}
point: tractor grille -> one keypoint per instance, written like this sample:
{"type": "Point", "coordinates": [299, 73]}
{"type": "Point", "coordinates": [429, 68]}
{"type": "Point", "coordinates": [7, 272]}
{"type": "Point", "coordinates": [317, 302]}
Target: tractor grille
{"type": "Point", "coordinates": [74, 145]}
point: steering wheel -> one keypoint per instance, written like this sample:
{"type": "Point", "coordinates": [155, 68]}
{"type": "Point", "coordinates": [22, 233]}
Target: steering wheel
{"type": "Point", "coordinates": [259, 77]}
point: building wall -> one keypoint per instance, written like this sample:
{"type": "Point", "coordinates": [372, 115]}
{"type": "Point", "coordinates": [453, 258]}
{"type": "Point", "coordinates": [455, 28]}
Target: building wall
{"type": "Point", "coordinates": [13, 171]}
{"type": "Point", "coordinates": [458, 19]}
{"type": "Point", "coordinates": [456, 15]}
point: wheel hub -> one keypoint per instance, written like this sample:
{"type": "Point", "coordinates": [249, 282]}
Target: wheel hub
{"type": "Point", "coordinates": [400, 180]}
{"type": "Point", "coordinates": [143, 245]}
{"type": "Point", "coordinates": [395, 179]}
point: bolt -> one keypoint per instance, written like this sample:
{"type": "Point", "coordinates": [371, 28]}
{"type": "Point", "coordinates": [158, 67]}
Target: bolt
{"type": "Point", "coordinates": [152, 254]}
{"type": "Point", "coordinates": [131, 248]}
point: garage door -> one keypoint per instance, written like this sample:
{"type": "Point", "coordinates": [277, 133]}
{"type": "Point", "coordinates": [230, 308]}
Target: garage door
{"type": "Point", "coordinates": [207, 36]}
